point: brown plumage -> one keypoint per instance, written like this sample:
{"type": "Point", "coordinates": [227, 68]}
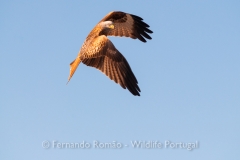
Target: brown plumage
{"type": "Point", "coordinates": [99, 52]}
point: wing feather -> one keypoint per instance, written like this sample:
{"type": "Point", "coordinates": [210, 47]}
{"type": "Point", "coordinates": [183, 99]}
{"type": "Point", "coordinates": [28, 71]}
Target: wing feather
{"type": "Point", "coordinates": [119, 77]}
{"type": "Point", "coordinates": [133, 24]}
{"type": "Point", "coordinates": [112, 71]}
{"type": "Point", "coordinates": [113, 64]}
{"type": "Point", "coordinates": [109, 69]}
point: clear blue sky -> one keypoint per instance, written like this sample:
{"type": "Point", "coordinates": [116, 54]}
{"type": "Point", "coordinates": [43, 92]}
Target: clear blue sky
{"type": "Point", "coordinates": [189, 74]}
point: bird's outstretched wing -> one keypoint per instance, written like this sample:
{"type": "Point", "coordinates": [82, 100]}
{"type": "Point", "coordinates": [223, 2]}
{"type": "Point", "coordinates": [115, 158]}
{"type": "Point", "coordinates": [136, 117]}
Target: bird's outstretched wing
{"type": "Point", "coordinates": [112, 63]}
{"type": "Point", "coordinates": [128, 25]}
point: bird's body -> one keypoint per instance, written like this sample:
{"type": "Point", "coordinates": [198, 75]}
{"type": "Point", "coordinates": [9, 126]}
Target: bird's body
{"type": "Point", "coordinates": [99, 52]}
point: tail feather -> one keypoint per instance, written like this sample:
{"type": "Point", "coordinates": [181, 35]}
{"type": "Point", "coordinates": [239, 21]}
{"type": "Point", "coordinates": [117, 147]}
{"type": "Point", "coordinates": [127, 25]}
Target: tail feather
{"type": "Point", "coordinates": [73, 67]}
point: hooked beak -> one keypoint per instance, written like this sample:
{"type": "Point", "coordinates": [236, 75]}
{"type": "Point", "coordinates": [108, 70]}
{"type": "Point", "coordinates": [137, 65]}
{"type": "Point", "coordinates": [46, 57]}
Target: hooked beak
{"type": "Point", "coordinates": [111, 26]}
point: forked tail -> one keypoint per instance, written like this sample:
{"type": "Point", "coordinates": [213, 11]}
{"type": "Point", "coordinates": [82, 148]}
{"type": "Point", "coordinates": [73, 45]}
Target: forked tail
{"type": "Point", "coordinates": [73, 67]}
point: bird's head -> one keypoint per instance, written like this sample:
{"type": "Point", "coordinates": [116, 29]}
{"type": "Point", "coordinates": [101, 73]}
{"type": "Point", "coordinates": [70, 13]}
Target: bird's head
{"type": "Point", "coordinates": [107, 25]}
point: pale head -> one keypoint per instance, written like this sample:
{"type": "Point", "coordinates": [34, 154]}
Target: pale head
{"type": "Point", "coordinates": [107, 25]}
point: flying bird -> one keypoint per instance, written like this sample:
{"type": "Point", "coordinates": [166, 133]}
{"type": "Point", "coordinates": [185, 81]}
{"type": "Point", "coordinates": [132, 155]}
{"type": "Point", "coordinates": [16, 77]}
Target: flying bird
{"type": "Point", "coordinates": [99, 52]}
